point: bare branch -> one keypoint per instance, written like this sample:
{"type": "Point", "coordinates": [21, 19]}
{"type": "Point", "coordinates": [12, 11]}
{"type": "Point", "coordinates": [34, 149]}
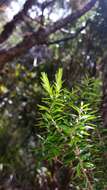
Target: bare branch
{"type": "Point", "coordinates": [45, 4]}
{"type": "Point", "coordinates": [9, 27]}
{"type": "Point", "coordinates": [40, 37]}
{"type": "Point", "coordinates": [70, 18]}
{"type": "Point", "coordinates": [28, 42]}
{"type": "Point", "coordinates": [70, 37]}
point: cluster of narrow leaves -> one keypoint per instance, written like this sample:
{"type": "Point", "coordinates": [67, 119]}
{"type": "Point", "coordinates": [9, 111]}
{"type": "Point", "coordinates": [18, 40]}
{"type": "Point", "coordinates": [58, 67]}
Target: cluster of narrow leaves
{"type": "Point", "coordinates": [66, 125]}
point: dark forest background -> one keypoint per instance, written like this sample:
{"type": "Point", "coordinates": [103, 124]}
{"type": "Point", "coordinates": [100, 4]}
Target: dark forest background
{"type": "Point", "coordinates": [61, 144]}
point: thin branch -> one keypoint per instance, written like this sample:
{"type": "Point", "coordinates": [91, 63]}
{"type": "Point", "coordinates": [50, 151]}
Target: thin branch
{"type": "Point", "coordinates": [9, 27]}
{"type": "Point", "coordinates": [45, 4]}
{"type": "Point", "coordinates": [70, 37]}
{"type": "Point", "coordinates": [28, 42]}
{"type": "Point", "coordinates": [40, 37]}
{"type": "Point", "coordinates": [70, 18]}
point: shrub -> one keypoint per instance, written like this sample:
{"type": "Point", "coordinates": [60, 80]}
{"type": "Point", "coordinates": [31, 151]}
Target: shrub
{"type": "Point", "coordinates": [67, 122]}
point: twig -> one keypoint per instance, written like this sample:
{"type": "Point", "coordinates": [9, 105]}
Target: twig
{"type": "Point", "coordinates": [70, 37]}
{"type": "Point", "coordinates": [36, 38]}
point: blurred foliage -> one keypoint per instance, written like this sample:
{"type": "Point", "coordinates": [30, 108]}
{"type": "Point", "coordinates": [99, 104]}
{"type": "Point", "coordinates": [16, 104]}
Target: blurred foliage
{"type": "Point", "coordinates": [21, 92]}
